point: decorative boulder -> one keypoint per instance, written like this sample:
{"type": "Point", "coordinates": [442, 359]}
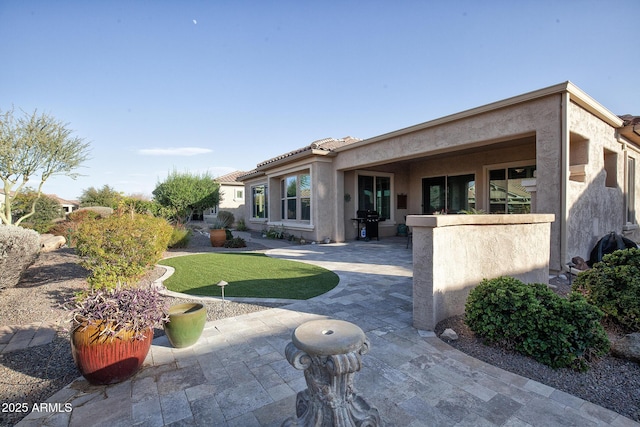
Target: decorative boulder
{"type": "Point", "coordinates": [49, 242]}
{"type": "Point", "coordinates": [19, 248]}
{"type": "Point", "coordinates": [627, 347]}
{"type": "Point", "coordinates": [449, 334]}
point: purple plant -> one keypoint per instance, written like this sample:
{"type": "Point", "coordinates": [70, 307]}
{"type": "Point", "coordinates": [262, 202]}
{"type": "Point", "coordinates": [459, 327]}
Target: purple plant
{"type": "Point", "coordinates": [131, 309]}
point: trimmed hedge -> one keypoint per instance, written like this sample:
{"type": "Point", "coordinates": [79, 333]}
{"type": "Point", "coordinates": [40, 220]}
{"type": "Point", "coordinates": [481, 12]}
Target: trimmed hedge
{"type": "Point", "coordinates": [533, 320]}
{"type": "Point", "coordinates": [19, 249]}
{"type": "Point", "coordinates": [119, 249]}
{"type": "Point", "coordinates": [613, 285]}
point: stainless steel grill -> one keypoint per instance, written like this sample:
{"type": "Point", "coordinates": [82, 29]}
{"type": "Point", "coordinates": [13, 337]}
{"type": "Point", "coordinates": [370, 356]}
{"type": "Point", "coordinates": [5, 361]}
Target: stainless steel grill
{"type": "Point", "coordinates": [367, 224]}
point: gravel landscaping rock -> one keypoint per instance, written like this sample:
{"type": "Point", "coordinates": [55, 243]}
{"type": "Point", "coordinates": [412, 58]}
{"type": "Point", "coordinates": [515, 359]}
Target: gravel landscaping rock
{"type": "Point", "coordinates": [610, 382]}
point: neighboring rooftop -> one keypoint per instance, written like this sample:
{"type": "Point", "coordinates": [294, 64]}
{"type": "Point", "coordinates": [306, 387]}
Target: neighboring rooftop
{"type": "Point", "coordinates": [630, 120]}
{"type": "Point", "coordinates": [54, 197]}
{"type": "Point", "coordinates": [63, 201]}
{"type": "Point", "coordinates": [631, 127]}
{"type": "Point", "coordinates": [231, 177]}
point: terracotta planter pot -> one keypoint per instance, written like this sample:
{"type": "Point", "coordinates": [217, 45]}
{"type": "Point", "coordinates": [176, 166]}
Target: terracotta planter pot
{"type": "Point", "coordinates": [102, 360]}
{"type": "Point", "coordinates": [218, 237]}
{"type": "Point", "coordinates": [186, 322]}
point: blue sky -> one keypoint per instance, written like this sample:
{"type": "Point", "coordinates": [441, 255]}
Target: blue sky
{"type": "Point", "coordinates": [218, 86]}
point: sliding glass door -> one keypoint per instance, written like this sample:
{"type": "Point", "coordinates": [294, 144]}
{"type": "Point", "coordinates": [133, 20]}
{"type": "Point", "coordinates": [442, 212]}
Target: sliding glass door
{"type": "Point", "coordinates": [448, 194]}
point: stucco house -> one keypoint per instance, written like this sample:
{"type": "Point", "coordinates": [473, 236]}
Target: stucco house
{"type": "Point", "coordinates": [68, 206]}
{"type": "Point", "coordinates": [231, 196]}
{"type": "Point", "coordinates": [554, 150]}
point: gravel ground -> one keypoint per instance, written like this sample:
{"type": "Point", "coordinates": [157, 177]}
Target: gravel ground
{"type": "Point", "coordinates": [610, 382]}
{"type": "Point", "coordinates": [33, 375]}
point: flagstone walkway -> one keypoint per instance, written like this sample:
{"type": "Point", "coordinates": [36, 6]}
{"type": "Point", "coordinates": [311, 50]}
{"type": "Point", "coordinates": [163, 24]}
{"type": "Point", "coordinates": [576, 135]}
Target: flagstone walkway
{"type": "Point", "coordinates": [237, 373]}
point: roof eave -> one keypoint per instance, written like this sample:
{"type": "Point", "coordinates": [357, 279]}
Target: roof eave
{"type": "Point", "coordinates": [632, 133]}
{"type": "Point", "coordinates": [295, 157]}
{"type": "Point", "coordinates": [577, 95]}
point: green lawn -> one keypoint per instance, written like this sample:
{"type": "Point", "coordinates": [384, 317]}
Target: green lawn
{"type": "Point", "coordinates": [249, 275]}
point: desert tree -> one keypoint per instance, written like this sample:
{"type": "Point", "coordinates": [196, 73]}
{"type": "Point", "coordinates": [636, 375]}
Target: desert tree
{"type": "Point", "coordinates": [182, 194]}
{"type": "Point", "coordinates": [35, 146]}
{"type": "Point", "coordinates": [105, 196]}
{"type": "Point", "coordinates": [47, 210]}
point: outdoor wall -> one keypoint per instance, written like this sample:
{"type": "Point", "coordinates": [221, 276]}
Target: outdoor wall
{"type": "Point", "coordinates": [230, 202]}
{"type": "Point", "coordinates": [350, 198]}
{"type": "Point", "coordinates": [454, 253]}
{"type": "Point", "coordinates": [323, 201]}
{"type": "Point", "coordinates": [595, 200]}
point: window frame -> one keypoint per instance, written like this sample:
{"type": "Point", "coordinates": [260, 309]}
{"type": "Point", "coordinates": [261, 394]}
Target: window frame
{"type": "Point", "coordinates": [265, 194]}
{"type": "Point", "coordinates": [506, 167]}
{"type": "Point", "coordinates": [447, 193]}
{"type": "Point", "coordinates": [631, 190]}
{"type": "Point", "coordinates": [302, 211]}
{"type": "Point", "coordinates": [376, 175]}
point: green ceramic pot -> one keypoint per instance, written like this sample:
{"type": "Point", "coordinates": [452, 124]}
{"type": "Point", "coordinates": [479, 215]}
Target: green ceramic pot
{"type": "Point", "coordinates": [186, 322]}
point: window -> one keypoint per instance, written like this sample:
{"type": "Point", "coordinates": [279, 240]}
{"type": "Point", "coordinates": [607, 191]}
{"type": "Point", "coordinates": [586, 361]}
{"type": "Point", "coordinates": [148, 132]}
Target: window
{"type": "Point", "coordinates": [374, 193]}
{"type": "Point", "coordinates": [506, 193]}
{"type": "Point", "coordinates": [578, 157]}
{"type": "Point", "coordinates": [239, 195]}
{"type": "Point", "coordinates": [631, 190]}
{"type": "Point", "coordinates": [295, 194]}
{"type": "Point", "coordinates": [259, 201]}
{"type": "Point", "coordinates": [610, 169]}
{"type": "Point", "coordinates": [448, 194]}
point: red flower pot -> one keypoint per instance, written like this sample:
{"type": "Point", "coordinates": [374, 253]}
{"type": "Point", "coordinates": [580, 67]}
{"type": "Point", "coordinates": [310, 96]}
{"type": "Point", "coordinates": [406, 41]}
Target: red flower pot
{"type": "Point", "coordinates": [103, 360]}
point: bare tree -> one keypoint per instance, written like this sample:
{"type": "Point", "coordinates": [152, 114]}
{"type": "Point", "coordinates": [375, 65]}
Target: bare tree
{"type": "Point", "coordinates": [35, 146]}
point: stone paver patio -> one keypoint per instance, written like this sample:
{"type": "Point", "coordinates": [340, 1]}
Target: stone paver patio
{"type": "Point", "coordinates": [237, 374]}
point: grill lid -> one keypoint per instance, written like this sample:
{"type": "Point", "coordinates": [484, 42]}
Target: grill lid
{"type": "Point", "coordinates": [368, 214]}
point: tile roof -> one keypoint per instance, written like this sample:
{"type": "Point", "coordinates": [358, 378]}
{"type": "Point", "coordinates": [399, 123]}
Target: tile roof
{"type": "Point", "coordinates": [326, 144]}
{"type": "Point", "coordinates": [231, 177]}
{"type": "Point", "coordinates": [52, 196]}
{"type": "Point", "coordinates": [630, 120]}
{"type": "Point", "coordinates": [63, 201]}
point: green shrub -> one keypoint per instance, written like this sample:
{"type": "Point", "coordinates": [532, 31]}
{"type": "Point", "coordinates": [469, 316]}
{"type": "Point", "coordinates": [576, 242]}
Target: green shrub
{"type": "Point", "coordinates": [69, 227]}
{"type": "Point", "coordinates": [236, 242]}
{"type": "Point", "coordinates": [227, 218]}
{"type": "Point", "coordinates": [19, 248]}
{"type": "Point", "coordinates": [241, 225]}
{"type": "Point", "coordinates": [120, 248]}
{"type": "Point", "coordinates": [180, 236]}
{"type": "Point", "coordinates": [533, 320]}
{"type": "Point", "coordinates": [613, 285]}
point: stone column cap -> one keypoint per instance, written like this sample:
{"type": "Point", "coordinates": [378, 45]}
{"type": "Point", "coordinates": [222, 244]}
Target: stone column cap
{"type": "Point", "coordinates": [327, 337]}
